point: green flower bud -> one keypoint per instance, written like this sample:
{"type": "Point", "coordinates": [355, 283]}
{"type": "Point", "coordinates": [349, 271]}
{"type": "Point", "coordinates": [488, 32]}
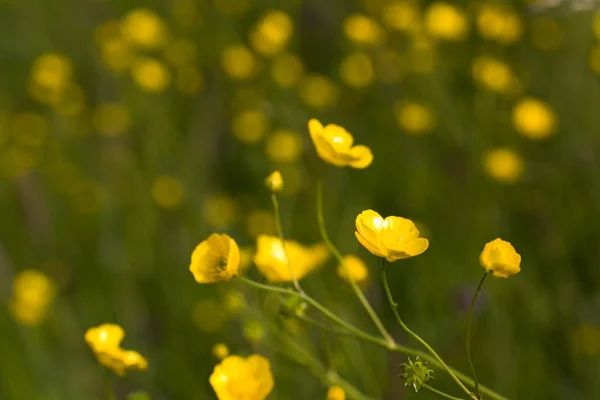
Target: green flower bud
{"type": "Point", "coordinates": [415, 373]}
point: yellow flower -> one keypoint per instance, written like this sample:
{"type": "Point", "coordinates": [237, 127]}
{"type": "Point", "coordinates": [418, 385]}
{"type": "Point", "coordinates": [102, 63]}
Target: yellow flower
{"type": "Point", "coordinates": [236, 378]}
{"type": "Point", "coordinates": [445, 21]}
{"type": "Point", "coordinates": [500, 259]}
{"type": "Point", "coordinates": [401, 15]}
{"type": "Point", "coordinates": [220, 351]}
{"type": "Point", "coordinates": [356, 70]}
{"type": "Point", "coordinates": [239, 62]}
{"type": "Point", "coordinates": [33, 293]}
{"type": "Point", "coordinates": [534, 119]}
{"type": "Point", "coordinates": [283, 146]}
{"type": "Point", "coordinates": [51, 71]}
{"type": "Point", "coordinates": [414, 118]}
{"type": "Point", "coordinates": [357, 269]}
{"type": "Point", "coordinates": [393, 238]}
{"type": "Point", "coordinates": [363, 30]}
{"type": "Point", "coordinates": [336, 393]}
{"type": "Point", "coordinates": [504, 165]}
{"type": "Point", "coordinates": [215, 259]}
{"type": "Point", "coordinates": [150, 75]}
{"type": "Point", "coordinates": [143, 28]}
{"type": "Point", "coordinates": [274, 182]}
{"type": "Point", "coordinates": [167, 191]}
{"type": "Point", "coordinates": [494, 75]}
{"type": "Point", "coordinates": [272, 33]}
{"type": "Point", "coordinates": [498, 23]}
{"type": "Point", "coordinates": [334, 145]}
{"type": "Point", "coordinates": [271, 260]}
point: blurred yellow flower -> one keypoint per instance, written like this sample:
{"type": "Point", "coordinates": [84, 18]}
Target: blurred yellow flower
{"type": "Point", "coordinates": [274, 182]}
{"type": "Point", "coordinates": [392, 238]}
{"type": "Point", "coordinates": [402, 15]}
{"type": "Point", "coordinates": [189, 80]}
{"type": "Point", "coordinates": [534, 119]}
{"type": "Point", "coordinates": [594, 59]}
{"type": "Point", "coordinates": [117, 54]}
{"type": "Point", "coordinates": [220, 351]}
{"type": "Point", "coordinates": [233, 300]}
{"type": "Point", "coordinates": [272, 33]}
{"type": "Point", "coordinates": [167, 191]}
{"type": "Point", "coordinates": [334, 145]}
{"type": "Point", "coordinates": [250, 126]}
{"type": "Point", "coordinates": [111, 119]}
{"type": "Point", "coordinates": [283, 146]}
{"type": "Point", "coordinates": [317, 91]}
{"type": "Point", "coordinates": [181, 52]}
{"type": "Point", "coordinates": [336, 393]}
{"type": "Point", "coordinates": [363, 30]}
{"type": "Point", "coordinates": [28, 129]}
{"type": "Point", "coordinates": [271, 258]}
{"type": "Point", "coordinates": [357, 269]}
{"type": "Point", "coordinates": [236, 378]}
{"type": "Point", "coordinates": [546, 34]}
{"type": "Point", "coordinates": [504, 165]}
{"type": "Point", "coordinates": [500, 259]}
{"type": "Point", "coordinates": [494, 75]}
{"type": "Point", "coordinates": [51, 71]}
{"type": "Point", "coordinates": [585, 339]}
{"type": "Point", "coordinates": [215, 259]}
{"type": "Point", "coordinates": [219, 210]}
{"type": "Point", "coordinates": [447, 22]}
{"type": "Point", "coordinates": [498, 23]}
{"type": "Point", "coordinates": [150, 75]}
{"type": "Point", "coordinates": [105, 342]}
{"type": "Point", "coordinates": [143, 28]}
{"type": "Point", "coordinates": [260, 222]}
{"type": "Point", "coordinates": [414, 118]}
{"type": "Point", "coordinates": [33, 293]}
{"type": "Point", "coordinates": [356, 70]}
{"type": "Point", "coordinates": [239, 62]}
{"type": "Point", "coordinates": [208, 315]}
{"type": "Point", "coordinates": [287, 70]}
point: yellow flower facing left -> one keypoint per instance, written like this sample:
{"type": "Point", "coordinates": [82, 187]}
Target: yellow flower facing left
{"type": "Point", "coordinates": [237, 378]}
{"type": "Point", "coordinates": [392, 238]}
{"type": "Point", "coordinates": [215, 259]}
{"type": "Point", "coordinates": [500, 259]}
{"type": "Point", "coordinates": [334, 145]}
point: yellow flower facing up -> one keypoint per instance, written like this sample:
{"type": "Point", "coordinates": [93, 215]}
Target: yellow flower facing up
{"type": "Point", "coordinates": [105, 342]}
{"type": "Point", "coordinates": [272, 33]}
{"type": "Point", "coordinates": [33, 293]}
{"type": "Point", "coordinates": [274, 182]}
{"type": "Point", "coordinates": [336, 393]}
{"type": "Point", "coordinates": [500, 259]}
{"type": "Point", "coordinates": [271, 260]}
{"type": "Point", "coordinates": [357, 269]}
{"type": "Point", "coordinates": [334, 145]}
{"type": "Point", "coordinates": [237, 378]}
{"type": "Point", "coordinates": [215, 259]}
{"type": "Point", "coordinates": [504, 165]}
{"type": "Point", "coordinates": [392, 238]}
{"type": "Point", "coordinates": [534, 119]}
{"type": "Point", "coordinates": [447, 22]}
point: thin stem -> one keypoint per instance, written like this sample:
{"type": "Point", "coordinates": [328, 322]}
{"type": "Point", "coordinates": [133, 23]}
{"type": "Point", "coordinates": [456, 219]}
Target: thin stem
{"type": "Point", "coordinates": [281, 237]}
{"type": "Point", "coordinates": [439, 392]}
{"type": "Point", "coordinates": [470, 318]}
{"type": "Point", "coordinates": [365, 303]}
{"type": "Point", "coordinates": [394, 306]}
{"type": "Point", "coordinates": [108, 386]}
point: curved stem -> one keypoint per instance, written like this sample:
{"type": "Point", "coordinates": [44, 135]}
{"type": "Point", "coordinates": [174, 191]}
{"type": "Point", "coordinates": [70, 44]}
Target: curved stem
{"type": "Point", "coordinates": [108, 386]}
{"type": "Point", "coordinates": [394, 306]}
{"type": "Point", "coordinates": [470, 318]}
{"type": "Point", "coordinates": [365, 303]}
{"type": "Point", "coordinates": [281, 237]}
{"type": "Point", "coordinates": [439, 392]}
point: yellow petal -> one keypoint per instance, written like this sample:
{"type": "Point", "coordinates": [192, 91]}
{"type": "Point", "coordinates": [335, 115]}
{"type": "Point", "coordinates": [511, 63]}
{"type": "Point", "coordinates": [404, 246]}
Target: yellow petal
{"type": "Point", "coordinates": [368, 245]}
{"type": "Point", "coordinates": [362, 155]}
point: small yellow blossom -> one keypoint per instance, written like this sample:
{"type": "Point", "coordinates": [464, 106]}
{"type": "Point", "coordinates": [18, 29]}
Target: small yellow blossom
{"type": "Point", "coordinates": [283, 146]}
{"type": "Point", "coordinates": [274, 182]}
{"type": "Point", "coordinates": [220, 351]}
{"type": "Point", "coordinates": [318, 91]}
{"type": "Point", "coordinates": [402, 15]}
{"type": "Point", "coordinates": [111, 119]}
{"type": "Point", "coordinates": [363, 30]}
{"type": "Point", "coordinates": [236, 378]}
{"type": "Point", "coordinates": [271, 258]}
{"type": "Point", "coordinates": [239, 62]}
{"type": "Point", "coordinates": [334, 145]}
{"type": "Point", "coordinates": [534, 119]}
{"type": "Point", "coordinates": [494, 75]}
{"type": "Point", "coordinates": [250, 126]}
{"type": "Point", "coordinates": [504, 165]}
{"type": "Point", "coordinates": [272, 33]}
{"type": "Point", "coordinates": [215, 259]}
{"type": "Point", "coordinates": [260, 222]}
{"type": "Point", "coordinates": [392, 238]}
{"type": "Point", "coordinates": [287, 70]}
{"type": "Point", "coordinates": [357, 269]}
{"type": "Point", "coordinates": [356, 70]}
{"type": "Point", "coordinates": [547, 34]}
{"type": "Point", "coordinates": [105, 342]}
{"type": "Point", "coordinates": [143, 28]}
{"type": "Point", "coordinates": [151, 75]}
{"type": "Point", "coordinates": [498, 23]}
{"type": "Point", "coordinates": [167, 191]}
{"type": "Point", "coordinates": [500, 259]}
{"type": "Point", "coordinates": [414, 118]}
{"type": "Point", "coordinates": [447, 22]}
{"type": "Point", "coordinates": [33, 293]}
{"type": "Point", "coordinates": [51, 71]}
{"type": "Point", "coordinates": [336, 393]}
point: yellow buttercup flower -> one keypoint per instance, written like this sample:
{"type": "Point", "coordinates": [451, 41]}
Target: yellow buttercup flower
{"type": "Point", "coordinates": [271, 260]}
{"type": "Point", "coordinates": [447, 22]}
{"type": "Point", "coordinates": [363, 30]}
{"type": "Point", "coordinates": [236, 378]}
{"type": "Point", "coordinates": [150, 75]}
{"type": "Point", "coordinates": [534, 119]}
{"type": "Point", "coordinates": [504, 165]}
{"type": "Point", "coordinates": [283, 146]}
{"type": "Point", "coordinates": [51, 71]}
{"type": "Point", "coordinates": [272, 33]}
{"type": "Point", "coordinates": [274, 182]}
{"type": "Point", "coordinates": [356, 70]}
{"type": "Point", "coordinates": [143, 28]}
{"type": "Point", "coordinates": [239, 62]}
{"type": "Point", "coordinates": [494, 75]}
{"type": "Point", "coordinates": [220, 351]}
{"type": "Point", "coordinates": [215, 259]}
{"type": "Point", "coordinates": [357, 269]}
{"type": "Point", "coordinates": [498, 23]}
{"type": "Point", "coordinates": [334, 145]}
{"type": "Point", "coordinates": [393, 238]}
{"type": "Point", "coordinates": [33, 293]}
{"type": "Point", "coordinates": [500, 259]}
{"type": "Point", "coordinates": [336, 393]}
{"type": "Point", "coordinates": [414, 118]}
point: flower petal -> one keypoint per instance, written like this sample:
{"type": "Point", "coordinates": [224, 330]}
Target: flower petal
{"type": "Point", "coordinates": [368, 245]}
{"type": "Point", "coordinates": [362, 155]}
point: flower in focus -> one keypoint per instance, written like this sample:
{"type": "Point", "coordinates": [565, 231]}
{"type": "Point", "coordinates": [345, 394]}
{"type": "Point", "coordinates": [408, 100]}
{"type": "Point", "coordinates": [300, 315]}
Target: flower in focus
{"type": "Point", "coordinates": [236, 378]}
{"type": "Point", "coordinates": [447, 22]}
{"type": "Point", "coordinates": [498, 23]}
{"type": "Point", "coordinates": [274, 261]}
{"type": "Point", "coordinates": [274, 182]}
{"type": "Point", "coordinates": [356, 70]}
{"type": "Point", "coordinates": [336, 393]}
{"type": "Point", "coordinates": [414, 118]}
{"type": "Point", "coordinates": [393, 238]}
{"type": "Point", "coordinates": [220, 351]}
{"type": "Point", "coordinates": [239, 62]}
{"type": "Point", "coordinates": [500, 259]}
{"type": "Point", "coordinates": [33, 293]}
{"type": "Point", "coordinates": [272, 33]}
{"type": "Point", "coordinates": [357, 269]}
{"type": "Point", "coordinates": [494, 75]}
{"type": "Point", "coordinates": [534, 119]}
{"type": "Point", "coordinates": [167, 191]}
{"type": "Point", "coordinates": [215, 259]}
{"type": "Point", "coordinates": [363, 30]}
{"type": "Point", "coordinates": [105, 342]}
{"type": "Point", "coordinates": [143, 28]}
{"type": "Point", "coordinates": [416, 373]}
{"type": "Point", "coordinates": [334, 145]}
{"type": "Point", "coordinates": [150, 75]}
{"type": "Point", "coordinates": [504, 165]}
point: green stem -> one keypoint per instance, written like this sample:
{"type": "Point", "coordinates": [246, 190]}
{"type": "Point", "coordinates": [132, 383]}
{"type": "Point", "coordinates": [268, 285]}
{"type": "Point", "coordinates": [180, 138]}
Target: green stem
{"type": "Point", "coordinates": [470, 318]}
{"type": "Point", "coordinates": [108, 386]}
{"type": "Point", "coordinates": [394, 306]}
{"type": "Point", "coordinates": [439, 392]}
{"type": "Point", "coordinates": [282, 238]}
{"type": "Point", "coordinates": [326, 328]}
{"type": "Point", "coordinates": [365, 303]}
